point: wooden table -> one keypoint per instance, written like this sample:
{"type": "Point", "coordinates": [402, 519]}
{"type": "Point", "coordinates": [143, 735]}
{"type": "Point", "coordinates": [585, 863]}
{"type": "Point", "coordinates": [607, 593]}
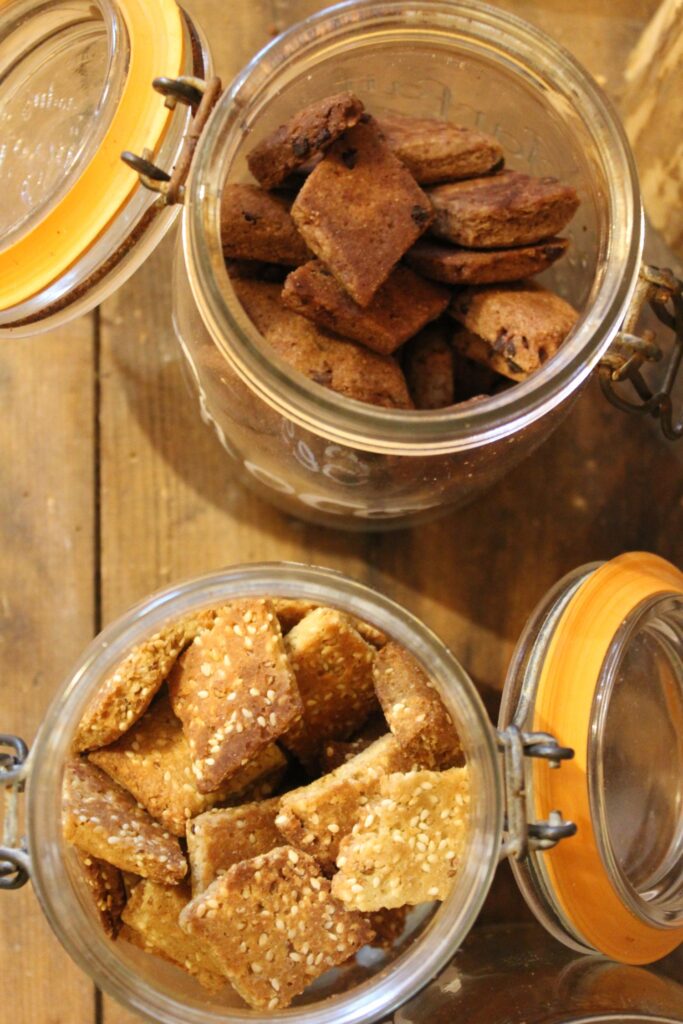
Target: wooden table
{"type": "Point", "coordinates": [111, 487]}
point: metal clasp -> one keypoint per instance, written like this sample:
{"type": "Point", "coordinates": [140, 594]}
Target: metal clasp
{"type": "Point", "coordinates": [14, 859]}
{"type": "Point", "coordinates": [202, 97]}
{"type": "Point", "coordinates": [522, 835]}
{"type": "Point", "coordinates": [662, 290]}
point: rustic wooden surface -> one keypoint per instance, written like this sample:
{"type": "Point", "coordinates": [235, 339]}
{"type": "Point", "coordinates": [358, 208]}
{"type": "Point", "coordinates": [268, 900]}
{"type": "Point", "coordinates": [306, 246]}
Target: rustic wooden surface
{"type": "Point", "coordinates": [110, 486]}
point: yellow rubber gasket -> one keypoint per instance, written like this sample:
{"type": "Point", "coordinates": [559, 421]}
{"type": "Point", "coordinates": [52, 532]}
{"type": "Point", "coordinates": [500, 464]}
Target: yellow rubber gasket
{"type": "Point", "coordinates": [563, 707]}
{"type": "Point", "coordinates": [155, 31]}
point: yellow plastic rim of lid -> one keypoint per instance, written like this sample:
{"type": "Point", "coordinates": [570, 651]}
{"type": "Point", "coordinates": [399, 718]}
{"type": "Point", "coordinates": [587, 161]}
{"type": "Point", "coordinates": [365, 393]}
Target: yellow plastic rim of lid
{"type": "Point", "coordinates": [156, 37]}
{"type": "Point", "coordinates": [563, 707]}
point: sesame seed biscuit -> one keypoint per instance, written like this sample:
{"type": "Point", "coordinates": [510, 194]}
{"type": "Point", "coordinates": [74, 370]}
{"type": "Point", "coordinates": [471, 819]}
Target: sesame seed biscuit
{"type": "Point", "coordinates": [128, 692]}
{"type": "Point", "coordinates": [153, 762]}
{"type": "Point", "coordinates": [291, 610]}
{"type": "Point", "coordinates": [151, 917]}
{"type": "Point", "coordinates": [388, 926]}
{"type": "Point", "coordinates": [103, 820]}
{"type": "Point", "coordinates": [438, 150]}
{"type": "Point", "coordinates": [274, 926]}
{"type": "Point", "coordinates": [406, 848]}
{"type": "Point", "coordinates": [360, 209]}
{"type": "Point", "coordinates": [428, 365]}
{"type": "Point", "coordinates": [256, 225]}
{"type": "Point", "coordinates": [483, 266]}
{"type": "Point", "coordinates": [333, 668]}
{"type": "Point", "coordinates": [337, 752]}
{"type": "Point", "coordinates": [105, 884]}
{"type": "Point", "coordinates": [318, 816]}
{"type": "Point", "coordinates": [220, 838]}
{"type": "Point", "coordinates": [234, 691]}
{"type": "Point", "coordinates": [414, 710]}
{"type": "Point", "coordinates": [308, 132]}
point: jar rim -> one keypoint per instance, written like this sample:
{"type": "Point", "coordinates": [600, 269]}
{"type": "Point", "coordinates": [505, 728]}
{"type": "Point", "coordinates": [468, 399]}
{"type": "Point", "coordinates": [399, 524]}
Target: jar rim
{"type": "Point", "coordinates": [425, 432]}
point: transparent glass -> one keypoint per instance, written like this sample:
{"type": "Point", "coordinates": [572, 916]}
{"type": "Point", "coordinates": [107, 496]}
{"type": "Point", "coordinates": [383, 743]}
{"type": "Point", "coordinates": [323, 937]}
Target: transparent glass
{"type": "Point", "coordinates": [327, 458]}
{"type": "Point", "coordinates": [359, 994]}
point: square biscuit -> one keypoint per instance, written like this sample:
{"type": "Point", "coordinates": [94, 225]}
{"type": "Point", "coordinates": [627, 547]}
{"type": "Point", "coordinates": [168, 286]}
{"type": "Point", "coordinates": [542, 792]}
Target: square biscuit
{"type": "Point", "coordinates": [127, 693]}
{"type": "Point", "coordinates": [407, 845]}
{"type": "Point", "coordinates": [274, 926]}
{"type": "Point", "coordinates": [291, 610]}
{"type": "Point", "coordinates": [435, 150]}
{"type": "Point", "coordinates": [234, 691]}
{"type": "Point", "coordinates": [429, 370]}
{"type": "Point", "coordinates": [256, 225]}
{"type": "Point", "coordinates": [333, 668]}
{"type": "Point", "coordinates": [453, 265]}
{"type": "Point", "coordinates": [106, 887]}
{"type": "Point", "coordinates": [414, 710]}
{"type": "Point", "coordinates": [359, 210]}
{"type": "Point", "coordinates": [104, 821]}
{"type": "Point", "coordinates": [153, 762]}
{"type": "Point", "coordinates": [388, 926]}
{"type": "Point", "coordinates": [220, 838]}
{"type": "Point", "coordinates": [151, 917]}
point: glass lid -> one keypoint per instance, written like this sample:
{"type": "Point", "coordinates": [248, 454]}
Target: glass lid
{"type": "Point", "coordinates": [600, 668]}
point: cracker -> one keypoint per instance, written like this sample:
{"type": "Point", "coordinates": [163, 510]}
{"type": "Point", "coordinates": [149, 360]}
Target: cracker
{"type": "Point", "coordinates": [513, 330]}
{"type": "Point", "coordinates": [220, 838]}
{"type": "Point", "coordinates": [153, 762]}
{"type": "Point", "coordinates": [308, 132]}
{"type": "Point", "coordinates": [398, 310]}
{"type": "Point", "coordinates": [337, 752]}
{"type": "Point", "coordinates": [414, 710]}
{"type": "Point", "coordinates": [428, 364]}
{"type": "Point", "coordinates": [274, 926]}
{"type": "Point", "coordinates": [503, 209]}
{"type": "Point", "coordinates": [291, 610]}
{"type": "Point", "coordinates": [234, 691]}
{"type": "Point", "coordinates": [333, 668]}
{"type": "Point", "coordinates": [388, 926]}
{"type": "Point", "coordinates": [317, 817]}
{"type": "Point", "coordinates": [256, 225]}
{"type": "Point", "coordinates": [103, 820]}
{"type": "Point", "coordinates": [359, 210]}
{"type": "Point", "coordinates": [438, 150]}
{"type": "Point", "coordinates": [151, 917]}
{"type": "Point", "coordinates": [106, 887]}
{"type": "Point", "coordinates": [342, 366]}
{"type": "Point", "coordinates": [484, 266]}
{"type": "Point", "coordinates": [407, 846]}
{"type": "Point", "coordinates": [128, 692]}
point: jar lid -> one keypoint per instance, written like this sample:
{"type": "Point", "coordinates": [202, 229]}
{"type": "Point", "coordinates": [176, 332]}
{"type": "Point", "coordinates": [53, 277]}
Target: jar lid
{"type": "Point", "coordinates": [600, 668]}
{"type": "Point", "coordinates": [70, 185]}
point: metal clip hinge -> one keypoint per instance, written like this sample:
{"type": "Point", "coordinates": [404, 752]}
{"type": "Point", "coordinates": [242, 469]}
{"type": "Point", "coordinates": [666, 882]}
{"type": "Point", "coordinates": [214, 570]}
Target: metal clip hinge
{"type": "Point", "coordinates": [522, 835]}
{"type": "Point", "coordinates": [14, 858]}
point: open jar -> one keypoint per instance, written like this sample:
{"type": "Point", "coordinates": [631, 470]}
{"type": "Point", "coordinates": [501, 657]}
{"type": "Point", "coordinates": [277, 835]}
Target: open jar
{"type": "Point", "coordinates": [313, 452]}
{"type": "Point", "coordinates": [598, 669]}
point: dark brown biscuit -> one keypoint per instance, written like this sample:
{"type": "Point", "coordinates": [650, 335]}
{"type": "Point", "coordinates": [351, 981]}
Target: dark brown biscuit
{"type": "Point", "coordinates": [512, 330]}
{"type": "Point", "coordinates": [105, 883]}
{"type": "Point", "coordinates": [388, 926]}
{"type": "Point", "coordinates": [337, 364]}
{"type": "Point", "coordinates": [428, 366]}
{"type": "Point", "coordinates": [484, 266]}
{"type": "Point", "coordinates": [503, 209]}
{"type": "Point", "coordinates": [310, 131]}
{"type": "Point", "coordinates": [256, 225]}
{"type": "Point", "coordinates": [360, 210]}
{"type": "Point", "coordinates": [438, 150]}
{"type": "Point", "coordinates": [403, 305]}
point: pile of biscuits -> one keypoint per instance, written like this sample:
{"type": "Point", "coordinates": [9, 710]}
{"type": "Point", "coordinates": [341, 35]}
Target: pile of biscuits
{"type": "Point", "coordinates": [389, 259]}
{"type": "Point", "coordinates": [261, 789]}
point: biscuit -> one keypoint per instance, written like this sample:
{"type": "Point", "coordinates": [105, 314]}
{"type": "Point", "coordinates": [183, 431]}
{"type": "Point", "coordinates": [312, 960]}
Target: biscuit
{"type": "Point", "coordinates": [414, 710]}
{"type": "Point", "coordinates": [291, 610]}
{"type": "Point", "coordinates": [103, 820]}
{"type": "Point", "coordinates": [318, 816]}
{"type": "Point", "coordinates": [128, 692]}
{"type": "Point", "coordinates": [513, 330]}
{"type": "Point", "coordinates": [342, 366]}
{"type": "Point", "coordinates": [234, 691]}
{"type": "Point", "coordinates": [256, 225]}
{"type": "Point", "coordinates": [274, 926]}
{"type": "Point", "coordinates": [106, 887]}
{"type": "Point", "coordinates": [438, 150]}
{"type": "Point", "coordinates": [400, 307]}
{"type": "Point", "coordinates": [359, 210]}
{"type": "Point", "coordinates": [483, 266]}
{"type": "Point", "coordinates": [333, 668]}
{"type": "Point", "coordinates": [308, 132]}
{"type": "Point", "coordinates": [388, 926]}
{"type": "Point", "coordinates": [151, 917]}
{"type": "Point", "coordinates": [153, 762]}
{"type": "Point", "coordinates": [428, 366]}
{"type": "Point", "coordinates": [407, 845]}
{"type": "Point", "coordinates": [220, 838]}
{"type": "Point", "coordinates": [337, 752]}
{"type": "Point", "coordinates": [503, 209]}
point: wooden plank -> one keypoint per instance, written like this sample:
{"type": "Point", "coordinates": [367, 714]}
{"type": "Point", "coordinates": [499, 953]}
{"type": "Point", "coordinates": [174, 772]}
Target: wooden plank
{"type": "Point", "coordinates": [46, 610]}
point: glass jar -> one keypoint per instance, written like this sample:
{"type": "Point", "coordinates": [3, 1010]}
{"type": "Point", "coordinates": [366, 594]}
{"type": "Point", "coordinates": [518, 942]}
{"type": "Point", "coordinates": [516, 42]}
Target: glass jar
{"type": "Point", "coordinates": [624, 797]}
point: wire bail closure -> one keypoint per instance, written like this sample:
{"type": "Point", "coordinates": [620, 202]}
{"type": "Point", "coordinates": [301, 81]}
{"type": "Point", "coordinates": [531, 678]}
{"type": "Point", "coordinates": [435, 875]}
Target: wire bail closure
{"type": "Point", "coordinates": [663, 291]}
{"type": "Point", "coordinates": [201, 96]}
{"type": "Point", "coordinates": [15, 864]}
